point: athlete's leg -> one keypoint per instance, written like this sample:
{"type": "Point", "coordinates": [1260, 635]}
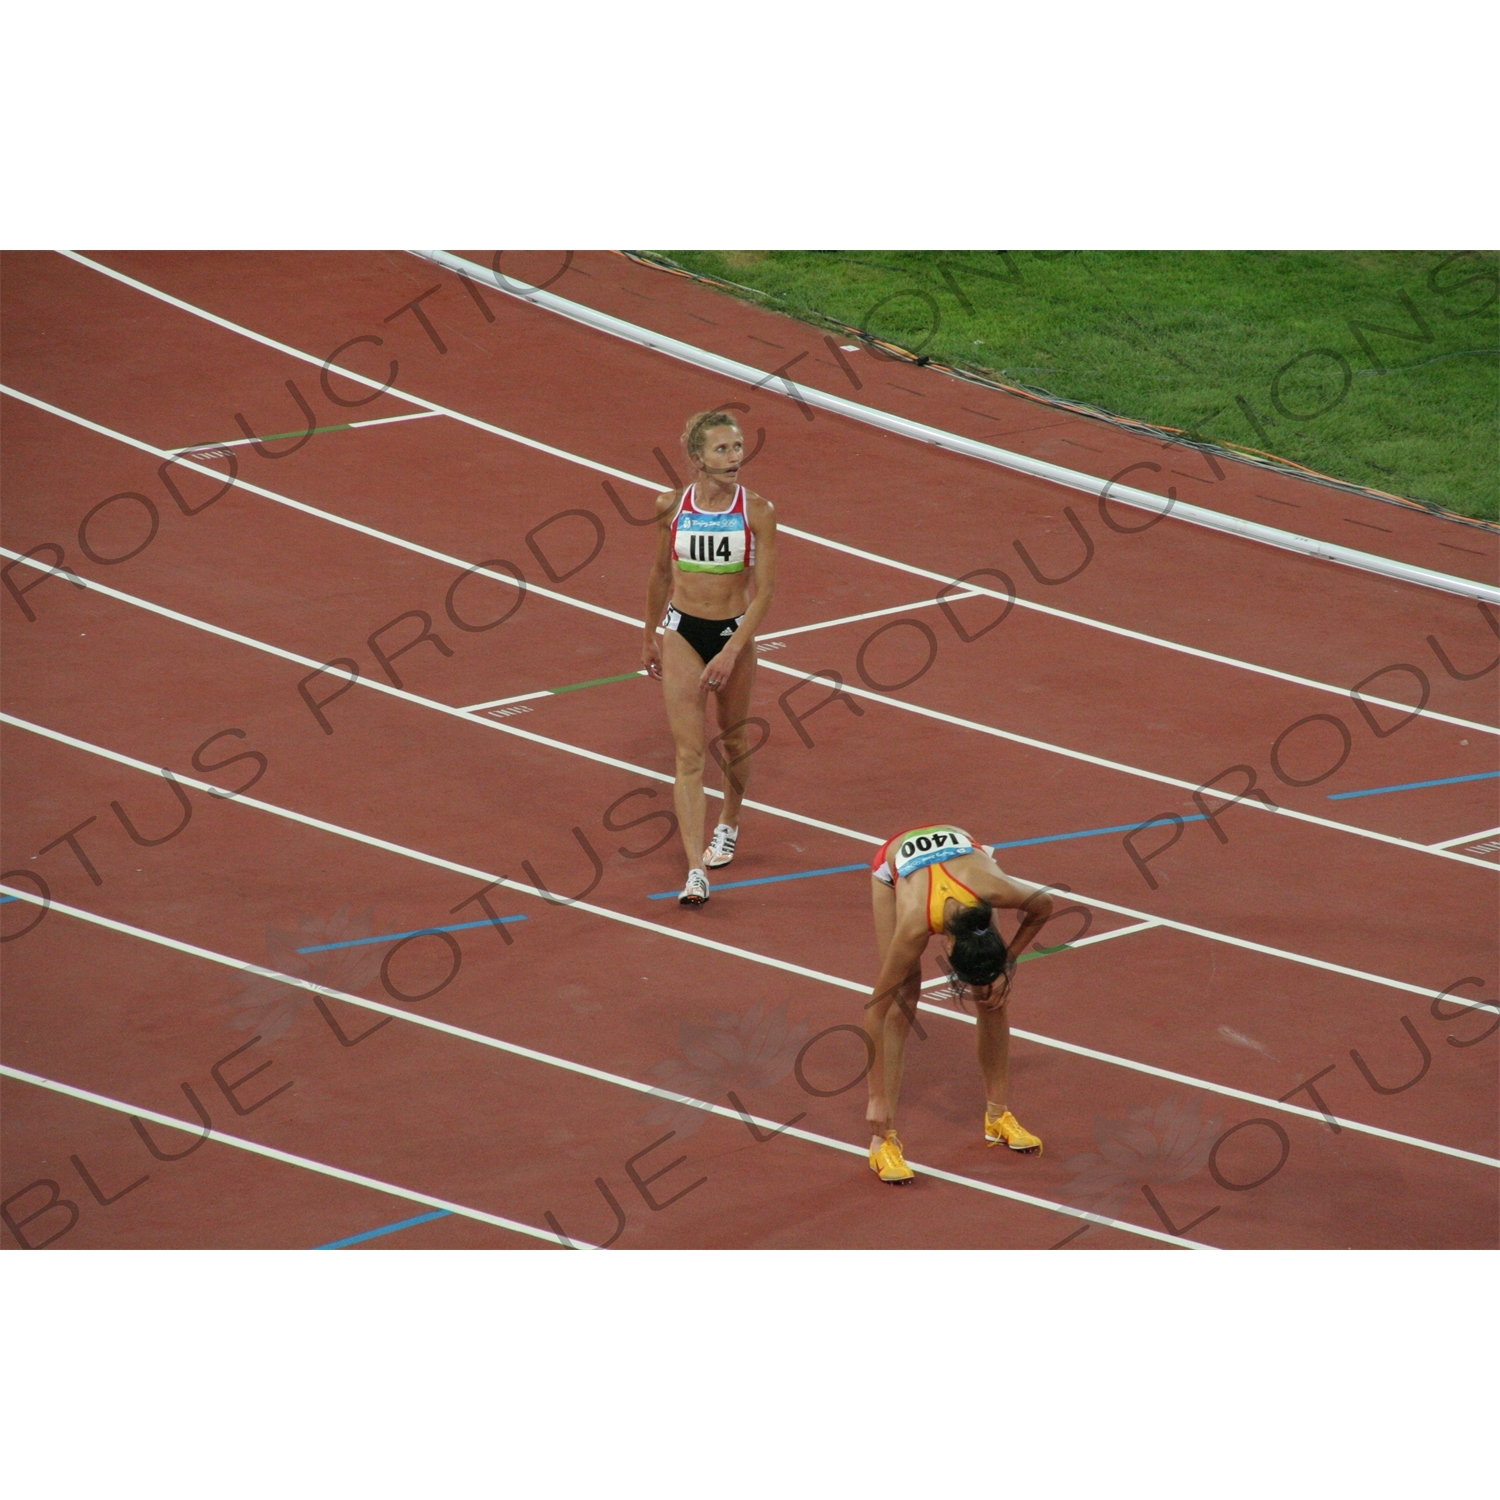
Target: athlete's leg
{"type": "Point", "coordinates": [735, 738]}
{"type": "Point", "coordinates": [994, 1056]}
{"type": "Point", "coordinates": [887, 1021]}
{"type": "Point", "coordinates": [681, 667]}
{"type": "Point", "coordinates": [1000, 1124]}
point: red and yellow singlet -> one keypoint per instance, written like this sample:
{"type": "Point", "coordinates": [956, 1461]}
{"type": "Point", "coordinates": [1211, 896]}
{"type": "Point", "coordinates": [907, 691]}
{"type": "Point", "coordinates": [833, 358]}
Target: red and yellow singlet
{"type": "Point", "coordinates": [930, 848]}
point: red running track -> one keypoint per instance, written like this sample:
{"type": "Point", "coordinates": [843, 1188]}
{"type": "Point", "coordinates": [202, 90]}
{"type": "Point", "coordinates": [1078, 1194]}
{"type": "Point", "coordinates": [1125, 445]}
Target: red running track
{"type": "Point", "coordinates": [1132, 1043]}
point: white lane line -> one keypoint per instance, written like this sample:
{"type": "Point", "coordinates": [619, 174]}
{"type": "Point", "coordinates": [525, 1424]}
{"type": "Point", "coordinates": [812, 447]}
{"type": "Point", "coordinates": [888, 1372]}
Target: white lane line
{"type": "Point", "coordinates": [1231, 1093]}
{"type": "Point", "coordinates": [1134, 635]}
{"type": "Point", "coordinates": [1253, 947]}
{"type": "Point", "coordinates": [566, 748]}
{"type": "Point", "coordinates": [897, 703]}
{"type": "Point", "coordinates": [309, 510]}
{"type": "Point", "coordinates": [1084, 942]}
{"type": "Point", "coordinates": [657, 487]}
{"type": "Point", "coordinates": [435, 860]}
{"type": "Point", "coordinates": [566, 1065]}
{"type": "Point", "coordinates": [873, 614]}
{"type": "Point", "coordinates": [677, 934]}
{"type": "Point", "coordinates": [584, 1070]}
{"type": "Point", "coordinates": [411, 416]}
{"type": "Point", "coordinates": [1123, 769]}
{"type": "Point", "coordinates": [1104, 937]}
{"type": "Point", "coordinates": [1468, 838]}
{"type": "Point", "coordinates": [429, 703]}
{"type": "Point", "coordinates": [354, 375]}
{"type": "Point", "coordinates": [474, 708]}
{"type": "Point", "coordinates": [872, 416]}
{"type": "Point", "coordinates": [194, 1127]}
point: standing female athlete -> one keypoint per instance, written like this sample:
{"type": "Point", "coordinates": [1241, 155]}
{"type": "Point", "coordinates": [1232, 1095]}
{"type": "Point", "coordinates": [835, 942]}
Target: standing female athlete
{"type": "Point", "coordinates": [929, 881]}
{"type": "Point", "coordinates": [713, 539]}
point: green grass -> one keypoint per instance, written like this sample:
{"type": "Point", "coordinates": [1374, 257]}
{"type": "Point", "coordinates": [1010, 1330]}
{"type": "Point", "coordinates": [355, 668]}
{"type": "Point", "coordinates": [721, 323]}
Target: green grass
{"type": "Point", "coordinates": [1191, 339]}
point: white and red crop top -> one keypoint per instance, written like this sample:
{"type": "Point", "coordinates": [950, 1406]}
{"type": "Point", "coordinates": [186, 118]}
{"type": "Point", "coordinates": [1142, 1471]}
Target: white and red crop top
{"type": "Point", "coordinates": [713, 541]}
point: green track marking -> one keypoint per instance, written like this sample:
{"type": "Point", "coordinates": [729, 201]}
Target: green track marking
{"type": "Point", "coordinates": [1044, 952]}
{"type": "Point", "coordinates": [596, 682]}
{"type": "Point", "coordinates": [270, 437]}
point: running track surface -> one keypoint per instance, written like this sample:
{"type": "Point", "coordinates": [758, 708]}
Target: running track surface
{"type": "Point", "coordinates": [1164, 1067]}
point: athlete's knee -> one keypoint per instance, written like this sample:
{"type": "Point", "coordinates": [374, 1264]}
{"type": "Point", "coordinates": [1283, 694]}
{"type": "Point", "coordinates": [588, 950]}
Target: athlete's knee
{"type": "Point", "coordinates": [690, 760]}
{"type": "Point", "coordinates": [733, 742]}
{"type": "Point", "coordinates": [736, 743]}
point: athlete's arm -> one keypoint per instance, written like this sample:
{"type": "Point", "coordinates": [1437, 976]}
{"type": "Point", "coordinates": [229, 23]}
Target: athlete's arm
{"type": "Point", "coordinates": [659, 584]}
{"type": "Point", "coordinates": [1033, 903]}
{"type": "Point", "coordinates": [762, 518]}
{"type": "Point", "coordinates": [903, 955]}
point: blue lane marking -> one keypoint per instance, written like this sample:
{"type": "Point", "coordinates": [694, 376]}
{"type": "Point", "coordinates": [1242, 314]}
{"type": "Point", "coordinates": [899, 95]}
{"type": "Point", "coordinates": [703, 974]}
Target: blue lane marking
{"type": "Point", "coordinates": [1412, 786]}
{"type": "Point", "coordinates": [375, 1234]}
{"type": "Point", "coordinates": [4, 899]}
{"type": "Point", "coordinates": [1089, 833]}
{"type": "Point", "coordinates": [391, 937]}
{"type": "Point", "coordinates": [1050, 838]}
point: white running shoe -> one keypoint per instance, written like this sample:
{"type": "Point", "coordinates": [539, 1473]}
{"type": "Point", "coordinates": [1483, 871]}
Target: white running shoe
{"type": "Point", "coordinates": [720, 847]}
{"type": "Point", "coordinates": [695, 892]}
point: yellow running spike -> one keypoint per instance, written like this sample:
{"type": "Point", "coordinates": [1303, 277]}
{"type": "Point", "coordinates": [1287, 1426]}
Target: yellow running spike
{"type": "Point", "coordinates": [887, 1160]}
{"type": "Point", "coordinates": [1008, 1129]}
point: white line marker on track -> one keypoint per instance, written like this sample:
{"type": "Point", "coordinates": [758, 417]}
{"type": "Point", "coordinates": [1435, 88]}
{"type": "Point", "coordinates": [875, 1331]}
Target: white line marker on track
{"type": "Point", "coordinates": [1124, 770]}
{"type": "Point", "coordinates": [532, 1055]}
{"type": "Point", "coordinates": [411, 416]}
{"type": "Point", "coordinates": [657, 487]}
{"type": "Point", "coordinates": [208, 954]}
{"type": "Point", "coordinates": [1468, 838]}
{"type": "Point", "coordinates": [476, 708]}
{"type": "Point", "coordinates": [678, 934]}
{"type": "Point", "coordinates": [872, 614]}
{"type": "Point", "coordinates": [1184, 1078]}
{"type": "Point", "coordinates": [310, 510]}
{"type": "Point", "coordinates": [1104, 937]}
{"type": "Point", "coordinates": [858, 692]}
{"type": "Point", "coordinates": [564, 746]}
{"type": "Point", "coordinates": [1136, 635]}
{"type": "Point", "coordinates": [307, 1164]}
{"type": "Point", "coordinates": [1084, 942]}
{"type": "Point", "coordinates": [429, 703]}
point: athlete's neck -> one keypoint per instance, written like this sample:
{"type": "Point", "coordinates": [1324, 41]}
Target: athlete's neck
{"type": "Point", "coordinates": [713, 493]}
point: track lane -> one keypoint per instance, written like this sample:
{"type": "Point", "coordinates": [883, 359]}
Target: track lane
{"type": "Point", "coordinates": [1062, 749]}
{"type": "Point", "coordinates": [1187, 728]}
{"type": "Point", "coordinates": [511, 1114]}
{"type": "Point", "coordinates": [1432, 1223]}
{"type": "Point", "coordinates": [127, 651]}
{"type": "Point", "coordinates": [417, 920]}
{"type": "Point", "coordinates": [217, 1197]}
{"type": "Point", "coordinates": [699, 933]}
{"type": "Point", "coordinates": [885, 489]}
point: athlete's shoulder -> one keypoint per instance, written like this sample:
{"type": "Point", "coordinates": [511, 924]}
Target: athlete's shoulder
{"type": "Point", "coordinates": [759, 507]}
{"type": "Point", "coordinates": [668, 501]}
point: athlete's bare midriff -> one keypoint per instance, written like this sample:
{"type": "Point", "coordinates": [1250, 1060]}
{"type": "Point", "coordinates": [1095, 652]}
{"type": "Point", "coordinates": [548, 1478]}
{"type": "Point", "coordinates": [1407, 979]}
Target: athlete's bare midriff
{"type": "Point", "coordinates": [711, 597]}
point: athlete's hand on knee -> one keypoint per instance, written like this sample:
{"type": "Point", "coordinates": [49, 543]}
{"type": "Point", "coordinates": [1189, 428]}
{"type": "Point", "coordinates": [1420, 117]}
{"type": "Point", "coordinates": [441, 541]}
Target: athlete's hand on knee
{"type": "Point", "coordinates": [719, 670]}
{"type": "Point", "coordinates": [651, 654]}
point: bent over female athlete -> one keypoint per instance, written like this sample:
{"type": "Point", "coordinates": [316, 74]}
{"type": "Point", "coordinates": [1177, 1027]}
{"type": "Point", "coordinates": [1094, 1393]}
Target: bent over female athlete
{"type": "Point", "coordinates": [938, 880]}
{"type": "Point", "coordinates": [714, 540]}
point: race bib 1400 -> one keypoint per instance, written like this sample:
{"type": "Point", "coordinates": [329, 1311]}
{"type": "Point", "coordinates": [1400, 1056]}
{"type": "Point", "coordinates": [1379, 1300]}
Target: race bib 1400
{"type": "Point", "coordinates": [930, 846]}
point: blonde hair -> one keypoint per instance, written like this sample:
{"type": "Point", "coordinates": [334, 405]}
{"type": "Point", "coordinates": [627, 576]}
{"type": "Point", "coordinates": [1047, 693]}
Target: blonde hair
{"type": "Point", "coordinates": [701, 425]}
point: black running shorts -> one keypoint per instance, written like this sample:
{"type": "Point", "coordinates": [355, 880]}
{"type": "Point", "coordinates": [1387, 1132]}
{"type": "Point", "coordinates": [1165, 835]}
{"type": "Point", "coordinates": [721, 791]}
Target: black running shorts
{"type": "Point", "coordinates": [706, 637]}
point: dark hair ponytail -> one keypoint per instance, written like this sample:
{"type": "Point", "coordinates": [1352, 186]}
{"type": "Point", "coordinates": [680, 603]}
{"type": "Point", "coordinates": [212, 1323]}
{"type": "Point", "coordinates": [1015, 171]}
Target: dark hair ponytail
{"type": "Point", "coordinates": [979, 958]}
